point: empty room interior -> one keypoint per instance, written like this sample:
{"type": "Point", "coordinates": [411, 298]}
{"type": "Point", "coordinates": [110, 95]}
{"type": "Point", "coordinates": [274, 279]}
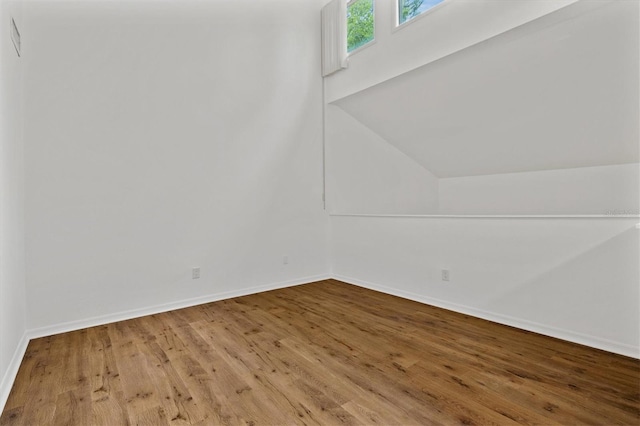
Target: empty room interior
{"type": "Point", "coordinates": [267, 212]}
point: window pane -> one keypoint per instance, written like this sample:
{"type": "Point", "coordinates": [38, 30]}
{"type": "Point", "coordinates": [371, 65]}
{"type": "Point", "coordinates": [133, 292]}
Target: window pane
{"type": "Point", "coordinates": [409, 9]}
{"type": "Point", "coordinates": [360, 23]}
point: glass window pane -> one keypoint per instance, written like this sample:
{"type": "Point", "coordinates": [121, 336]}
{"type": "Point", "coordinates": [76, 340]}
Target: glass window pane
{"type": "Point", "coordinates": [409, 9]}
{"type": "Point", "coordinates": [360, 23]}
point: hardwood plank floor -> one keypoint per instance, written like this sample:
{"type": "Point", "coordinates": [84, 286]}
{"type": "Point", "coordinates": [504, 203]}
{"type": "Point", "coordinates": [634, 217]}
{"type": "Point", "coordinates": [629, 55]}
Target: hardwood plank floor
{"type": "Point", "coordinates": [323, 353]}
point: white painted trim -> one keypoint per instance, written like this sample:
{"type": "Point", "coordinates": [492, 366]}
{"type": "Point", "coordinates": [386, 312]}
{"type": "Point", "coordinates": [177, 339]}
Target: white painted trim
{"type": "Point", "coordinates": [324, 145]}
{"type": "Point", "coordinates": [151, 310]}
{"type": "Point", "coordinates": [12, 370]}
{"type": "Point", "coordinates": [364, 46]}
{"type": "Point", "coordinates": [568, 335]}
{"type": "Point", "coordinates": [491, 216]}
{"type": "Point", "coordinates": [583, 339]}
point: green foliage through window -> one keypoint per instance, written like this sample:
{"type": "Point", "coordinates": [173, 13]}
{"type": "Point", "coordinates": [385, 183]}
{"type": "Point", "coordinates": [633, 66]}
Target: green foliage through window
{"type": "Point", "coordinates": [360, 23]}
{"type": "Point", "coordinates": [409, 9]}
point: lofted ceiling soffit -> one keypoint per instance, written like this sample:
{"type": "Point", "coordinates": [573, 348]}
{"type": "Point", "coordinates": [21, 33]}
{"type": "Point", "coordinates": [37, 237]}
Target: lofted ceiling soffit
{"type": "Point", "coordinates": [551, 94]}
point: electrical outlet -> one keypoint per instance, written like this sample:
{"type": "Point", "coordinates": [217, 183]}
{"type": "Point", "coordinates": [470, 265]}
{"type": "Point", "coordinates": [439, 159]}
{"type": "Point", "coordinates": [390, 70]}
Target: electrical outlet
{"type": "Point", "coordinates": [445, 275]}
{"type": "Point", "coordinates": [195, 273]}
{"type": "Point", "coordinates": [285, 260]}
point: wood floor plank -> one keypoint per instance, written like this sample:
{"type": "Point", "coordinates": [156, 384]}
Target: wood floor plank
{"type": "Point", "coordinates": [319, 354]}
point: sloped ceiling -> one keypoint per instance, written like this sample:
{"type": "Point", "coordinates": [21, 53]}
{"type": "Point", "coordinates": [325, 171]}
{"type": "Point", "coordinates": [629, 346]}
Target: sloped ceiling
{"type": "Point", "coordinates": [552, 94]}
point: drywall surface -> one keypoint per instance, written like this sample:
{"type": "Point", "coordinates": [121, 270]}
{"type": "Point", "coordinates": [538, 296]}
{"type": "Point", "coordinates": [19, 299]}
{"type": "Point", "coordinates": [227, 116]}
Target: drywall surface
{"type": "Point", "coordinates": [164, 136]}
{"type": "Point", "coordinates": [572, 278]}
{"type": "Point", "coordinates": [12, 263]}
{"type": "Point", "coordinates": [452, 26]}
{"type": "Point", "coordinates": [576, 279]}
{"type": "Point", "coordinates": [367, 174]}
{"type": "Point", "coordinates": [557, 93]}
{"type": "Point", "coordinates": [604, 190]}
{"type": "Point", "coordinates": [542, 119]}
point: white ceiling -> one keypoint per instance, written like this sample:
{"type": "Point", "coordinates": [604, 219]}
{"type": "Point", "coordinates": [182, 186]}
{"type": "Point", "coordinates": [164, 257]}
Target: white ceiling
{"type": "Point", "coordinates": [558, 92]}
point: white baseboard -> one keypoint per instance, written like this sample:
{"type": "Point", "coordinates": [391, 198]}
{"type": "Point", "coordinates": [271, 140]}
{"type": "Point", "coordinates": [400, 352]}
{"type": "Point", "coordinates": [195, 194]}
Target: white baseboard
{"type": "Point", "coordinates": [12, 370]}
{"type": "Point", "coordinates": [592, 341]}
{"type": "Point", "coordinates": [568, 335]}
{"type": "Point", "coordinates": [151, 310]}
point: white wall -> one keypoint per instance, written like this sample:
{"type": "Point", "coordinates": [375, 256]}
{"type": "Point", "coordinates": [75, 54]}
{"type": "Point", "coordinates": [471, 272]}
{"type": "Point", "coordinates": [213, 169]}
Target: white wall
{"type": "Point", "coordinates": [167, 135]}
{"type": "Point", "coordinates": [12, 275]}
{"type": "Point", "coordinates": [366, 174]}
{"type": "Point", "coordinates": [556, 93]}
{"type": "Point", "coordinates": [581, 191]}
{"type": "Point", "coordinates": [575, 279]}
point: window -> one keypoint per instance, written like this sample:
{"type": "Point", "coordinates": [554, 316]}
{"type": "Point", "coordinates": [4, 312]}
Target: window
{"type": "Point", "coordinates": [409, 9]}
{"type": "Point", "coordinates": [360, 23]}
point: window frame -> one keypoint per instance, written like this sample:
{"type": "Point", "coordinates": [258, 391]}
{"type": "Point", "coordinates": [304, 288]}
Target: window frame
{"type": "Point", "coordinates": [373, 40]}
{"type": "Point", "coordinates": [396, 25]}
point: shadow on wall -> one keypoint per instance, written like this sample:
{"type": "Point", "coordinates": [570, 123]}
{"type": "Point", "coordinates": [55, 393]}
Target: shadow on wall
{"type": "Point", "coordinates": [609, 293]}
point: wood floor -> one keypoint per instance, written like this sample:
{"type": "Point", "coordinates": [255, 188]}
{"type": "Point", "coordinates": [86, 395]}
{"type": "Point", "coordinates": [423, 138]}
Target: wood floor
{"type": "Point", "coordinates": [323, 353]}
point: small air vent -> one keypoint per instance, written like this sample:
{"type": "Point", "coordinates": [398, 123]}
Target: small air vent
{"type": "Point", "coordinates": [15, 36]}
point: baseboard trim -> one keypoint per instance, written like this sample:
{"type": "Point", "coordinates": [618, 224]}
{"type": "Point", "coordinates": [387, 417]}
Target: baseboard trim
{"type": "Point", "coordinates": [587, 340]}
{"type": "Point", "coordinates": [12, 370]}
{"type": "Point", "coordinates": [563, 334]}
{"type": "Point", "coordinates": [151, 310]}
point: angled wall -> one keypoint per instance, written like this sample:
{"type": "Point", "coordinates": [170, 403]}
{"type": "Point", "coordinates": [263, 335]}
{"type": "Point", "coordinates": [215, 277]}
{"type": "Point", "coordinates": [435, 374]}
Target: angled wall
{"type": "Point", "coordinates": [575, 279]}
{"type": "Point", "coordinates": [455, 26]}
{"type": "Point", "coordinates": [597, 190]}
{"type": "Point", "coordinates": [567, 276]}
{"type": "Point", "coordinates": [541, 119]}
{"type": "Point", "coordinates": [367, 174]}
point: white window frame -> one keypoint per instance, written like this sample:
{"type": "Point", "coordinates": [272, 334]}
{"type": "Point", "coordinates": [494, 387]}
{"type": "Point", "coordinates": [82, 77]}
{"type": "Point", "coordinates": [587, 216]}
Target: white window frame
{"type": "Point", "coordinates": [396, 25]}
